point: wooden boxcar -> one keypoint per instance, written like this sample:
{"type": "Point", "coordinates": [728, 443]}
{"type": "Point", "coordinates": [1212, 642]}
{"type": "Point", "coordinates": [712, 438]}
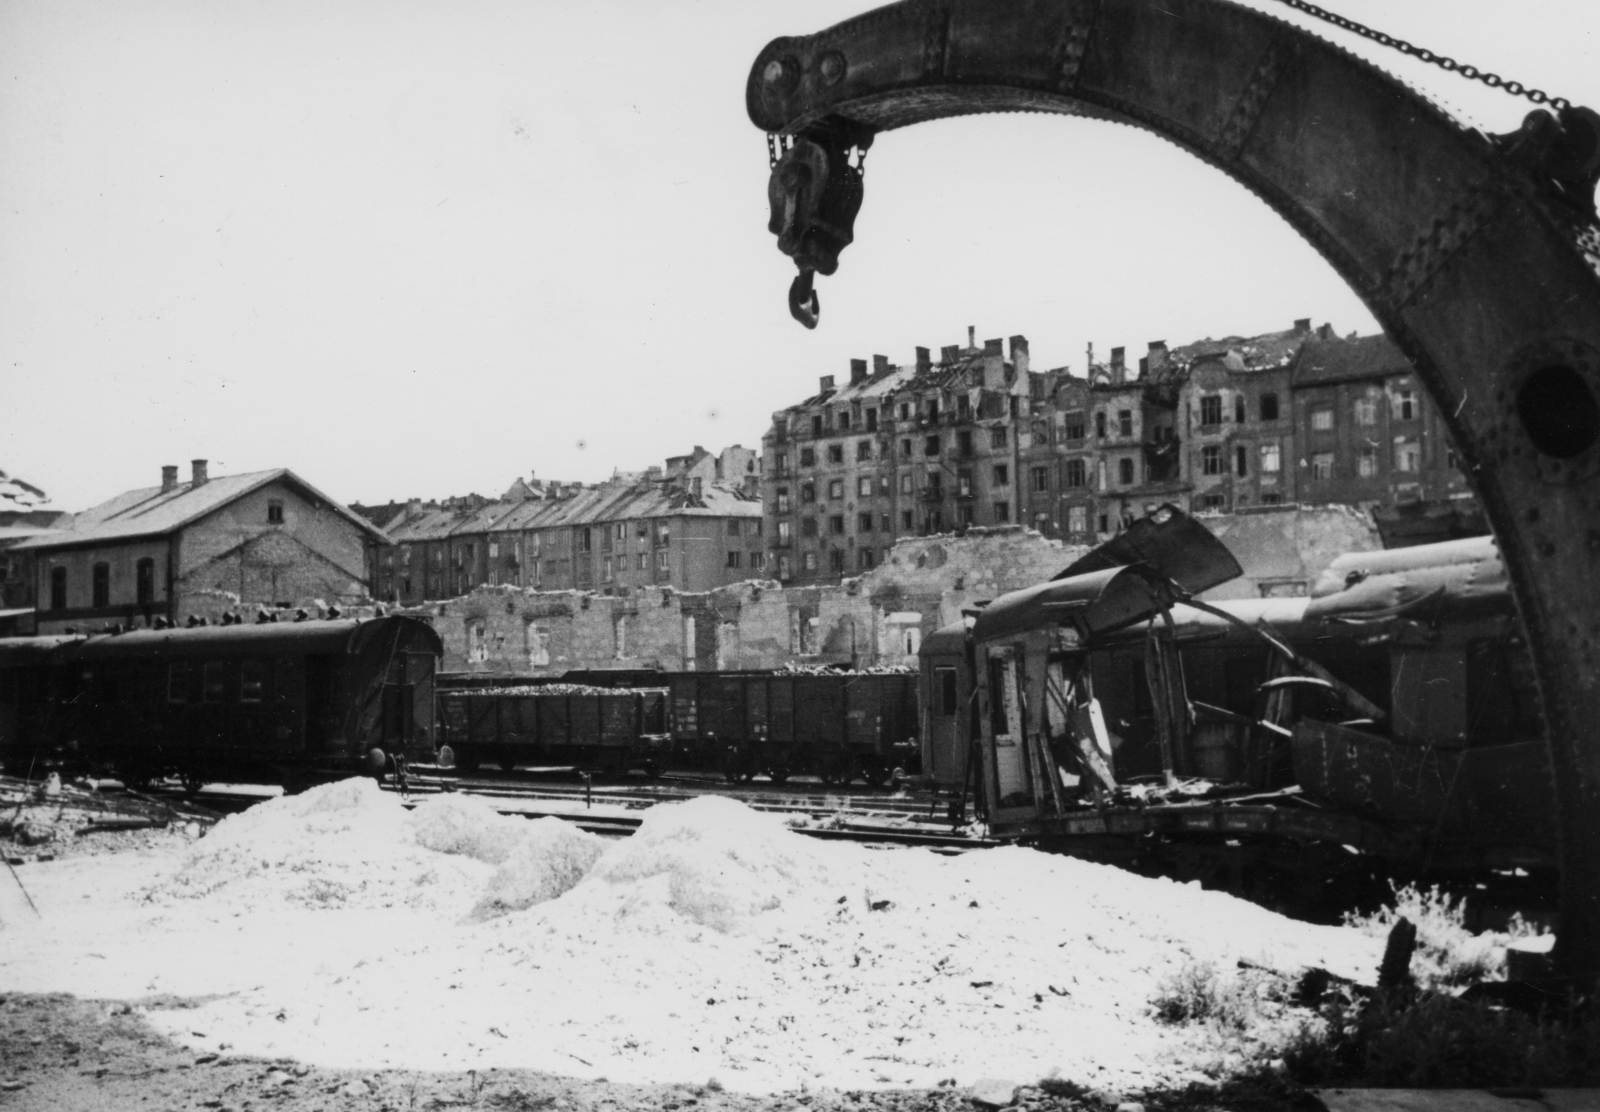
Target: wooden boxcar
{"type": "Point", "coordinates": [275, 702]}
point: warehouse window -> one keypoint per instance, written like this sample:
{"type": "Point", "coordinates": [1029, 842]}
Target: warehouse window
{"type": "Point", "coordinates": [274, 511]}
{"type": "Point", "coordinates": [102, 586]}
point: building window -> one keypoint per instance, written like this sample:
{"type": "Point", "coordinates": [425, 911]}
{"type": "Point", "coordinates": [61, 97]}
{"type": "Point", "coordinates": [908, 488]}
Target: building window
{"type": "Point", "coordinates": [758, 561]}
{"type": "Point", "coordinates": [733, 527]}
{"type": "Point", "coordinates": [835, 453]}
{"type": "Point", "coordinates": [1002, 475]}
{"type": "Point", "coordinates": [1124, 422]}
{"type": "Point", "coordinates": [999, 437]}
{"type": "Point", "coordinates": [844, 419]}
{"type": "Point", "coordinates": [1125, 471]}
{"type": "Point", "coordinates": [1002, 512]}
{"type": "Point", "coordinates": [1269, 407]}
{"type": "Point", "coordinates": [808, 492]}
{"type": "Point", "coordinates": [58, 588]}
{"type": "Point", "coordinates": [808, 527]}
{"type": "Point", "coordinates": [835, 489]}
{"type": "Point", "coordinates": [1270, 459]}
{"type": "Point", "coordinates": [274, 511]}
{"type": "Point", "coordinates": [836, 559]}
{"type": "Point", "coordinates": [964, 483]}
{"type": "Point", "coordinates": [872, 420]}
{"type": "Point", "coordinates": [1405, 405]}
{"type": "Point", "coordinates": [1076, 473]}
{"type": "Point", "coordinates": [816, 424]}
{"type": "Point", "coordinates": [1407, 455]}
{"type": "Point", "coordinates": [864, 558]}
{"type": "Point", "coordinates": [836, 524]}
{"type": "Point", "coordinates": [935, 484]}
{"type": "Point", "coordinates": [1100, 425]}
{"type": "Point", "coordinates": [864, 487]}
{"type": "Point", "coordinates": [1211, 460]}
{"type": "Point", "coordinates": [863, 523]}
{"type": "Point", "coordinates": [1211, 409]}
{"type": "Point", "coordinates": [1367, 462]}
{"type": "Point", "coordinates": [1271, 498]}
{"type": "Point", "coordinates": [808, 457]}
{"type": "Point", "coordinates": [585, 540]}
{"type": "Point", "coordinates": [1366, 412]}
{"type": "Point", "coordinates": [785, 568]}
{"type": "Point", "coordinates": [661, 559]}
{"type": "Point", "coordinates": [808, 561]}
{"type": "Point", "coordinates": [863, 449]}
{"type": "Point", "coordinates": [101, 583]}
{"type": "Point", "coordinates": [933, 410]}
{"type": "Point", "coordinates": [964, 443]}
{"type": "Point", "coordinates": [144, 581]}
{"type": "Point", "coordinates": [735, 558]}
{"type": "Point", "coordinates": [1074, 428]}
{"type": "Point", "coordinates": [1322, 419]}
{"type": "Point", "coordinates": [886, 523]}
{"type": "Point", "coordinates": [1241, 457]}
{"type": "Point", "coordinates": [1040, 479]}
{"type": "Point", "coordinates": [905, 446]}
{"type": "Point", "coordinates": [783, 532]}
{"type": "Point", "coordinates": [930, 447]}
{"type": "Point", "coordinates": [252, 680]}
{"type": "Point", "coordinates": [1322, 465]}
{"type": "Point", "coordinates": [963, 516]}
{"type": "Point", "coordinates": [1213, 502]}
{"type": "Point", "coordinates": [1077, 519]}
{"type": "Point", "coordinates": [783, 500]}
{"type": "Point", "coordinates": [782, 463]}
{"type": "Point", "coordinates": [905, 482]}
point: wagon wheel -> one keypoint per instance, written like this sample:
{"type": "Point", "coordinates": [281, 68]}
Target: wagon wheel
{"type": "Point", "coordinates": [652, 769]}
{"type": "Point", "coordinates": [191, 780]}
{"type": "Point", "coordinates": [779, 771]}
{"type": "Point", "coordinates": [467, 760]}
{"type": "Point", "coordinates": [506, 760]}
{"type": "Point", "coordinates": [837, 768]}
{"type": "Point", "coordinates": [614, 764]}
{"type": "Point", "coordinates": [875, 773]}
{"type": "Point", "coordinates": [736, 766]}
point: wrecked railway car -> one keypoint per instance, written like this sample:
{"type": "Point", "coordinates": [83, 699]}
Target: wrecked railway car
{"type": "Point", "coordinates": [1392, 712]}
{"type": "Point", "coordinates": [834, 724]}
{"type": "Point", "coordinates": [281, 703]}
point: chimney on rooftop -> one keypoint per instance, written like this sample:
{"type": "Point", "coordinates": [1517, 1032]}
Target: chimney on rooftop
{"type": "Point", "coordinates": [1157, 357]}
{"type": "Point", "coordinates": [949, 353]}
{"type": "Point", "coordinates": [992, 347]}
{"type": "Point", "coordinates": [924, 359]}
{"type": "Point", "coordinates": [1119, 368]}
{"type": "Point", "coordinates": [972, 336]}
{"type": "Point", "coordinates": [880, 365]}
{"type": "Point", "coordinates": [199, 472]}
{"type": "Point", "coordinates": [858, 371]}
{"type": "Point", "coordinates": [1019, 354]}
{"type": "Point", "coordinates": [1303, 324]}
{"type": "Point", "coordinates": [827, 383]}
{"type": "Point", "coordinates": [169, 478]}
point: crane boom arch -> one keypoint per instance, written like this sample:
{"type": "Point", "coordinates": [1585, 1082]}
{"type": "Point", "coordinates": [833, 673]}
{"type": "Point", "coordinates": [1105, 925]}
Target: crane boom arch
{"type": "Point", "coordinates": [1478, 254]}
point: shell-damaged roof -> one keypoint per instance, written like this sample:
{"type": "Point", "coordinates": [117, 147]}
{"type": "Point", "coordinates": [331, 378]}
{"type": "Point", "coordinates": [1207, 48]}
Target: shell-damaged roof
{"type": "Point", "coordinates": [1460, 578]}
{"type": "Point", "coordinates": [1365, 357]}
{"type": "Point", "coordinates": [1266, 352]}
{"type": "Point", "coordinates": [900, 379]}
{"type": "Point", "coordinates": [611, 502]}
{"type": "Point", "coordinates": [152, 512]}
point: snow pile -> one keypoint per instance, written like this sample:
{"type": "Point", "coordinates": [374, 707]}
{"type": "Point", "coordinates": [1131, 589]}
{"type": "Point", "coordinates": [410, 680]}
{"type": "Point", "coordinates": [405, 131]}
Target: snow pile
{"type": "Point", "coordinates": [710, 861]}
{"type": "Point", "coordinates": [551, 856]}
{"type": "Point", "coordinates": [342, 845]}
{"type": "Point", "coordinates": [466, 825]}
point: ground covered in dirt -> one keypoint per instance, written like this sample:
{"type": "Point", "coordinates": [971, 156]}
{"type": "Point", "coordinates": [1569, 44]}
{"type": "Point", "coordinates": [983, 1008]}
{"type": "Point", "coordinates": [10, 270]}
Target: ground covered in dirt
{"type": "Point", "coordinates": [332, 948]}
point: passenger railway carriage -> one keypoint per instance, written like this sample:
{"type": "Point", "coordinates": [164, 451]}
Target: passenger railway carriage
{"type": "Point", "coordinates": [278, 702]}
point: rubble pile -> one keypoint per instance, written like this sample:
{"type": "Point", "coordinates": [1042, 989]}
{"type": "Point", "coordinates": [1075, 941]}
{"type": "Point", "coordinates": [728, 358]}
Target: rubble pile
{"type": "Point", "coordinates": [336, 929]}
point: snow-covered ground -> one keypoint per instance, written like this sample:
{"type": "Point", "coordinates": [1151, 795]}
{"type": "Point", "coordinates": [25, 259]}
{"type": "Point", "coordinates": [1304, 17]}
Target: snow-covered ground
{"type": "Point", "coordinates": [336, 928]}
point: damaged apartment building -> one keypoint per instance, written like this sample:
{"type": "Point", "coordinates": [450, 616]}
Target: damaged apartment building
{"type": "Point", "coordinates": [692, 526]}
{"type": "Point", "coordinates": [977, 439]}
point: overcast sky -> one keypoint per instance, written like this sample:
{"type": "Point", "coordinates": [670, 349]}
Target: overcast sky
{"type": "Point", "coordinates": [420, 249]}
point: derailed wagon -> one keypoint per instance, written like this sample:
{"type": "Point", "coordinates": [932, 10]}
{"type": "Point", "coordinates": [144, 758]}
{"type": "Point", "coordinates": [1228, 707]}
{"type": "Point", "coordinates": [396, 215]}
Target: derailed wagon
{"type": "Point", "coordinates": [1112, 714]}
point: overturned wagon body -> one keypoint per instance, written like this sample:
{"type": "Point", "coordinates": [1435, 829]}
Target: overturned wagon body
{"type": "Point", "coordinates": [1392, 711]}
{"type": "Point", "coordinates": [276, 702]}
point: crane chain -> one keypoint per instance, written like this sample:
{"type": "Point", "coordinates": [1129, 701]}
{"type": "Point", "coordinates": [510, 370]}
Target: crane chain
{"type": "Point", "coordinates": [1493, 80]}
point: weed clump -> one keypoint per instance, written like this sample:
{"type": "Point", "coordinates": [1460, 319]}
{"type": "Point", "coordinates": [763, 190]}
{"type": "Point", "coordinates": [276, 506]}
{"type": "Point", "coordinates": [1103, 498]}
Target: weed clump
{"type": "Point", "coordinates": [1448, 955]}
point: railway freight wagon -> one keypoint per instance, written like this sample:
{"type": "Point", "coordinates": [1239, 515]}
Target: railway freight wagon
{"type": "Point", "coordinates": [285, 703]}
{"type": "Point", "coordinates": [1393, 711]}
{"type": "Point", "coordinates": [838, 725]}
{"type": "Point", "coordinates": [553, 724]}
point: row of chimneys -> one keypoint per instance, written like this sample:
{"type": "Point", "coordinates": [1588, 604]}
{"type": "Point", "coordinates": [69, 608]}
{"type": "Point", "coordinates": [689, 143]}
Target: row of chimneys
{"type": "Point", "coordinates": [169, 476]}
{"type": "Point", "coordinates": [948, 354]}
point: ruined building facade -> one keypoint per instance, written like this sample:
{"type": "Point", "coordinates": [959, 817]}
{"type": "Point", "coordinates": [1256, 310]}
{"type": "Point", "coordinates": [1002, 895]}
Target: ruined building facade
{"type": "Point", "coordinates": [1300, 416]}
